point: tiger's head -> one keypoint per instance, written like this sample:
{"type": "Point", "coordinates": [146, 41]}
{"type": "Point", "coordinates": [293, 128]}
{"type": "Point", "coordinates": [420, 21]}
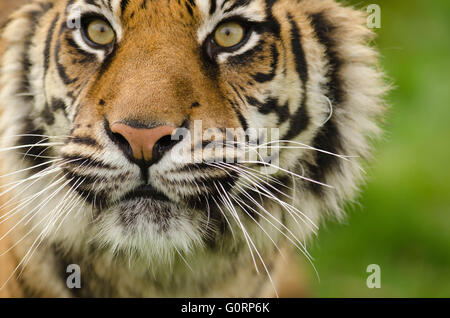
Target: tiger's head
{"type": "Point", "coordinates": [110, 109]}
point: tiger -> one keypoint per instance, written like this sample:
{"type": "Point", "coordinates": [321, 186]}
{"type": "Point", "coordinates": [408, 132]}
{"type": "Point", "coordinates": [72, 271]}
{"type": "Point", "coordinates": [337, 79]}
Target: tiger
{"type": "Point", "coordinates": [101, 101]}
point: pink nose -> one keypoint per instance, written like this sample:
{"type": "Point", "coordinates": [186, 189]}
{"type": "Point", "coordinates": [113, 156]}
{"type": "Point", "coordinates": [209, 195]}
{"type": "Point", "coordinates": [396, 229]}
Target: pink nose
{"type": "Point", "coordinates": [143, 141]}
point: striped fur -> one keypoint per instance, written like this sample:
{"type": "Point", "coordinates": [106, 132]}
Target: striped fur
{"type": "Point", "coordinates": [306, 68]}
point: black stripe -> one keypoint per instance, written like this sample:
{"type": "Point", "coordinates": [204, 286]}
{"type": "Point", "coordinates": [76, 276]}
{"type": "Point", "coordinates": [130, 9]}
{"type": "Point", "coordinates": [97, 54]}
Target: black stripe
{"type": "Point", "coordinates": [264, 108]}
{"type": "Point", "coordinates": [47, 114]}
{"type": "Point", "coordinates": [297, 50]}
{"type": "Point", "coordinates": [248, 56]}
{"type": "Point", "coordinates": [263, 77]}
{"type": "Point", "coordinates": [94, 3]}
{"type": "Point", "coordinates": [213, 7]}
{"type": "Point", "coordinates": [88, 141]}
{"type": "Point", "coordinates": [224, 3]}
{"type": "Point", "coordinates": [107, 63]}
{"type": "Point", "coordinates": [59, 104]}
{"type": "Point", "coordinates": [34, 153]}
{"type": "Point", "coordinates": [274, 24]}
{"type": "Point", "coordinates": [239, 114]}
{"type": "Point", "coordinates": [329, 139]}
{"type": "Point", "coordinates": [300, 120]}
{"type": "Point", "coordinates": [34, 17]}
{"type": "Point", "coordinates": [60, 68]}
{"type": "Point", "coordinates": [283, 113]}
{"type": "Point", "coordinates": [237, 110]}
{"type": "Point", "coordinates": [123, 5]}
{"type": "Point", "coordinates": [241, 118]}
{"type": "Point", "coordinates": [189, 8]}
{"type": "Point", "coordinates": [99, 199]}
{"type": "Point", "coordinates": [238, 4]}
{"type": "Point", "coordinates": [86, 179]}
{"type": "Point", "coordinates": [324, 31]}
{"type": "Point", "coordinates": [48, 42]}
{"type": "Point", "coordinates": [271, 105]}
{"type": "Point", "coordinates": [76, 161]}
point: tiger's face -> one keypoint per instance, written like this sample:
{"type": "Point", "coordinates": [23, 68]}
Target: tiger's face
{"type": "Point", "coordinates": [162, 67]}
{"type": "Point", "coordinates": [140, 72]}
{"type": "Point", "coordinates": [123, 88]}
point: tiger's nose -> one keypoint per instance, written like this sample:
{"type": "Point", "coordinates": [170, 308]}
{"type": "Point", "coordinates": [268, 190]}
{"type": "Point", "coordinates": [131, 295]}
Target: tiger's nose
{"type": "Point", "coordinates": [147, 144]}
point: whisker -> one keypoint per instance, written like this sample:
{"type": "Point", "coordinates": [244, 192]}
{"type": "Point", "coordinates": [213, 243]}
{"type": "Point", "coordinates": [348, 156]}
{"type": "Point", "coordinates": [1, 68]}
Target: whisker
{"type": "Point", "coordinates": [249, 175]}
{"type": "Point", "coordinates": [31, 168]}
{"type": "Point", "coordinates": [259, 225]}
{"type": "Point", "coordinates": [32, 145]}
{"type": "Point", "coordinates": [288, 207]}
{"type": "Point", "coordinates": [251, 242]}
{"type": "Point", "coordinates": [290, 173]}
{"type": "Point", "coordinates": [270, 195]}
{"type": "Point", "coordinates": [37, 208]}
{"type": "Point", "coordinates": [37, 156]}
{"type": "Point", "coordinates": [299, 144]}
{"type": "Point", "coordinates": [235, 217]}
{"type": "Point", "coordinates": [35, 135]}
{"type": "Point", "coordinates": [224, 215]}
{"type": "Point", "coordinates": [184, 260]}
{"type": "Point", "coordinates": [300, 245]}
{"type": "Point", "coordinates": [48, 216]}
{"type": "Point", "coordinates": [24, 200]}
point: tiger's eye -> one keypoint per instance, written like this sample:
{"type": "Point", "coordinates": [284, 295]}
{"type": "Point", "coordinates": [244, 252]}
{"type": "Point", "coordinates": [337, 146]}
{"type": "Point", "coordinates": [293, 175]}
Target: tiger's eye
{"type": "Point", "coordinates": [229, 34]}
{"type": "Point", "coordinates": [100, 32]}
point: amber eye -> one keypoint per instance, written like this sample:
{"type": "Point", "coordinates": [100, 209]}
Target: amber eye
{"type": "Point", "coordinates": [229, 34]}
{"type": "Point", "coordinates": [100, 32]}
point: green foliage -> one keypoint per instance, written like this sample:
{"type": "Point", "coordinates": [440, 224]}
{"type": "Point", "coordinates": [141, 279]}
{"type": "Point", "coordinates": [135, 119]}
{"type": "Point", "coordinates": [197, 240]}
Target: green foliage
{"type": "Point", "coordinates": [404, 219]}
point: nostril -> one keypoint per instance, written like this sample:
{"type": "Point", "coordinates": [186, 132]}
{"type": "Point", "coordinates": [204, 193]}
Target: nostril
{"type": "Point", "coordinates": [163, 145]}
{"type": "Point", "coordinates": [123, 143]}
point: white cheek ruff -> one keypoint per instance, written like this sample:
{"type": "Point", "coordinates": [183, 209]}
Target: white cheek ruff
{"type": "Point", "coordinates": [251, 43]}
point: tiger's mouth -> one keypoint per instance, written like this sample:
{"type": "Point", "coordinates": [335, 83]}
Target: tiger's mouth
{"type": "Point", "coordinates": [145, 192]}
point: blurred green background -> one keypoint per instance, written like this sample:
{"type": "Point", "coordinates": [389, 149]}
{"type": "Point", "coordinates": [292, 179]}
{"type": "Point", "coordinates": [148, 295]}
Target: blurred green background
{"type": "Point", "coordinates": [403, 220]}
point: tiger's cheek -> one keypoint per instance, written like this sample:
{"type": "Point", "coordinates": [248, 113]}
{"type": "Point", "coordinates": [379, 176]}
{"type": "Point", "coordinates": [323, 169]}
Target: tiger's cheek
{"type": "Point", "coordinates": [256, 66]}
{"type": "Point", "coordinates": [74, 66]}
{"type": "Point", "coordinates": [254, 81]}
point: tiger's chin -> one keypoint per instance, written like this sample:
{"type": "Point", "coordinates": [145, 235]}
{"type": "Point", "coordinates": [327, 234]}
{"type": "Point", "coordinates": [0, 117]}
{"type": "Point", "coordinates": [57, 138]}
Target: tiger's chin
{"type": "Point", "coordinates": [147, 223]}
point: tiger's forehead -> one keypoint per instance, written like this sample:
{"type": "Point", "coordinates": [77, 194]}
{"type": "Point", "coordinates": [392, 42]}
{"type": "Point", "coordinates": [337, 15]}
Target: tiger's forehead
{"type": "Point", "coordinates": [206, 7]}
{"type": "Point", "coordinates": [206, 14]}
